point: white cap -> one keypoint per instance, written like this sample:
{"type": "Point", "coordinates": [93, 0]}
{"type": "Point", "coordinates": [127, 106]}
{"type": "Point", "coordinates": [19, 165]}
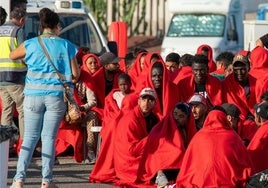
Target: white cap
{"type": "Point", "coordinates": [197, 98]}
{"type": "Point", "coordinates": [148, 91]}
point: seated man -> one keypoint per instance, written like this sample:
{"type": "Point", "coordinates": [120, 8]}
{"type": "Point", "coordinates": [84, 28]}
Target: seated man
{"type": "Point", "coordinates": [258, 146]}
{"type": "Point", "coordinates": [172, 61]}
{"type": "Point", "coordinates": [166, 145]}
{"type": "Point", "coordinates": [131, 136]}
{"type": "Point", "coordinates": [223, 61]}
{"type": "Point", "coordinates": [201, 82]}
{"type": "Point", "coordinates": [207, 51]}
{"type": "Point", "coordinates": [215, 157]}
{"type": "Point", "coordinates": [199, 107]}
{"type": "Point", "coordinates": [244, 128]}
{"type": "Point", "coordinates": [239, 87]}
{"type": "Point", "coordinates": [185, 68]}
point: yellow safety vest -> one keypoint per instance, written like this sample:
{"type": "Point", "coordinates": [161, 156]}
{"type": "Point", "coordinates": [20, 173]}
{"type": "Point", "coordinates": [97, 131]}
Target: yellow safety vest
{"type": "Point", "coordinates": [10, 70]}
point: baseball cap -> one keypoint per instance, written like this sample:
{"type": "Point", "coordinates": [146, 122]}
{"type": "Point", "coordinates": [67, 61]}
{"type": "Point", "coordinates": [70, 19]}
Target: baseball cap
{"type": "Point", "coordinates": [148, 91]}
{"type": "Point", "coordinates": [231, 110]}
{"type": "Point", "coordinates": [109, 57]}
{"type": "Point", "coordinates": [262, 110]}
{"type": "Point", "coordinates": [197, 98]}
{"type": "Point", "coordinates": [241, 58]}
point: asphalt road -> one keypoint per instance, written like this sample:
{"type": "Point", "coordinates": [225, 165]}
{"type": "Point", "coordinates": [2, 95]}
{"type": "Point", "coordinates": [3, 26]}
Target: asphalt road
{"type": "Point", "coordinates": [68, 174]}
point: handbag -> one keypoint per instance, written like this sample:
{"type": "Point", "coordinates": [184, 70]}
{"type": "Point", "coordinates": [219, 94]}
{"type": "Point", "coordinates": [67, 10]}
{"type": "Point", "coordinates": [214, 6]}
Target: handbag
{"type": "Point", "coordinates": [73, 114]}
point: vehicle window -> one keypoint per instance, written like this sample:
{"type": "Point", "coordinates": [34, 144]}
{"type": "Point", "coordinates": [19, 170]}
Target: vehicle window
{"type": "Point", "coordinates": [76, 28]}
{"type": "Point", "coordinates": [197, 25]}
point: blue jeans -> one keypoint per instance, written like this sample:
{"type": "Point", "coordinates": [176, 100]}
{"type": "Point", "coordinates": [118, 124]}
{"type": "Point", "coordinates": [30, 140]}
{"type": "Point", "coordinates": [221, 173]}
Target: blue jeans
{"type": "Point", "coordinates": [42, 117]}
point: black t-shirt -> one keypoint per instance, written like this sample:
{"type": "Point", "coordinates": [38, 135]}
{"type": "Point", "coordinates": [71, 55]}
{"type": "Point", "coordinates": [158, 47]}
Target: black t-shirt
{"type": "Point", "coordinates": [108, 86]}
{"type": "Point", "coordinates": [201, 89]}
{"type": "Point", "coordinates": [151, 121]}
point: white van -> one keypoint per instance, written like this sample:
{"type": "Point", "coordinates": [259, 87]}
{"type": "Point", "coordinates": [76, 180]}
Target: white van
{"type": "Point", "coordinates": [78, 25]}
{"type": "Point", "coordinates": [218, 23]}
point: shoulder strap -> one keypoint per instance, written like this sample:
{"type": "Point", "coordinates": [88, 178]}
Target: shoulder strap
{"type": "Point", "coordinates": [50, 60]}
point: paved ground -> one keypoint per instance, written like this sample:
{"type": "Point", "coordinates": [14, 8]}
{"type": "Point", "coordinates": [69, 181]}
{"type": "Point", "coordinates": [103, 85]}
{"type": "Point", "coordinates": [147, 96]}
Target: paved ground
{"type": "Point", "coordinates": [68, 174]}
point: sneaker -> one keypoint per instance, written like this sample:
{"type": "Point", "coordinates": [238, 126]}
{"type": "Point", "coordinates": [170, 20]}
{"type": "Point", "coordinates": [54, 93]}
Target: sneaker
{"type": "Point", "coordinates": [91, 157]}
{"type": "Point", "coordinates": [86, 161]}
{"type": "Point", "coordinates": [48, 185]}
{"type": "Point", "coordinates": [17, 184]}
{"type": "Point", "coordinates": [161, 180]}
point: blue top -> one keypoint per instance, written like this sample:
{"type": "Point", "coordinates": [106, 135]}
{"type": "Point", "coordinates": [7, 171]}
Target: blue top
{"type": "Point", "coordinates": [41, 78]}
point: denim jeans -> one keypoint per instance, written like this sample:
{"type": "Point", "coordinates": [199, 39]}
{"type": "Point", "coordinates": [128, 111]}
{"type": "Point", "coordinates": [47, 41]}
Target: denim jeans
{"type": "Point", "coordinates": [42, 117]}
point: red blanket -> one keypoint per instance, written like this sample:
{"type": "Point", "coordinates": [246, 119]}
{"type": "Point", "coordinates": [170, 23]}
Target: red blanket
{"type": "Point", "coordinates": [216, 156]}
{"type": "Point", "coordinates": [247, 129]}
{"type": "Point", "coordinates": [150, 58]}
{"type": "Point", "coordinates": [135, 70]}
{"type": "Point", "coordinates": [70, 136]}
{"type": "Point", "coordinates": [164, 149]}
{"type": "Point", "coordinates": [73, 135]}
{"type": "Point", "coordinates": [258, 148]}
{"type": "Point", "coordinates": [211, 63]}
{"type": "Point", "coordinates": [182, 73]}
{"type": "Point", "coordinates": [129, 142]}
{"type": "Point", "coordinates": [103, 171]}
{"type": "Point", "coordinates": [99, 86]}
{"type": "Point", "coordinates": [213, 88]}
{"type": "Point", "coordinates": [259, 62]}
{"type": "Point", "coordinates": [169, 94]}
{"type": "Point", "coordinates": [234, 93]}
{"type": "Point", "coordinates": [261, 87]}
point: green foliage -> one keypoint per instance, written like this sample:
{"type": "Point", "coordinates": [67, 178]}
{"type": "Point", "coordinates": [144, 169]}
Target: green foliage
{"type": "Point", "coordinates": [98, 10]}
{"type": "Point", "coordinates": [142, 19]}
{"type": "Point", "coordinates": [123, 10]}
{"type": "Point", "coordinates": [128, 7]}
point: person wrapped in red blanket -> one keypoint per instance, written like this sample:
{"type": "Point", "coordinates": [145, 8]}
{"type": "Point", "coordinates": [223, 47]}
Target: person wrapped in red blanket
{"type": "Point", "coordinates": [215, 157]}
{"type": "Point", "coordinates": [206, 50]}
{"type": "Point", "coordinates": [239, 87]}
{"type": "Point", "coordinates": [86, 99]}
{"type": "Point", "coordinates": [131, 136]}
{"type": "Point", "coordinates": [103, 170]}
{"type": "Point", "coordinates": [166, 145]}
{"type": "Point", "coordinates": [258, 146]}
{"type": "Point", "coordinates": [200, 82]}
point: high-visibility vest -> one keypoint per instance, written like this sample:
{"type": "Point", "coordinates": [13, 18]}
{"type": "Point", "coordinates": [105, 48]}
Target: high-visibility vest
{"type": "Point", "coordinates": [10, 70]}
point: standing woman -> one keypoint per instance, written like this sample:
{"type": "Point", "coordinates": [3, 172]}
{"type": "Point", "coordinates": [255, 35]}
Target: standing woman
{"type": "Point", "coordinates": [43, 105]}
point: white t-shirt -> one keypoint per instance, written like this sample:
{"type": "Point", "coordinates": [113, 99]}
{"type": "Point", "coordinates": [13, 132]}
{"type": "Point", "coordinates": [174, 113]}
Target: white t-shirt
{"type": "Point", "coordinates": [118, 97]}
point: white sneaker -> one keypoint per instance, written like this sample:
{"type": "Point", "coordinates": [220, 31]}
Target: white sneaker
{"type": "Point", "coordinates": [161, 180]}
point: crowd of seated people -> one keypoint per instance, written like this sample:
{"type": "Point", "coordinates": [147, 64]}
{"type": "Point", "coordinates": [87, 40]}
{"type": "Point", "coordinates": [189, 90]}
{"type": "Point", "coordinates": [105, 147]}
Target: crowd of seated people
{"type": "Point", "coordinates": [186, 121]}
